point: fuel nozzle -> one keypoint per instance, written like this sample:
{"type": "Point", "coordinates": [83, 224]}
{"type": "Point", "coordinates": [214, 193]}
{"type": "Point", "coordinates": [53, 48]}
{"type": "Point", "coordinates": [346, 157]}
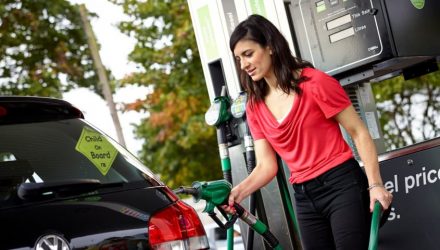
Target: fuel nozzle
{"type": "Point", "coordinates": [219, 113]}
{"type": "Point", "coordinates": [186, 190]}
{"type": "Point", "coordinates": [216, 194]}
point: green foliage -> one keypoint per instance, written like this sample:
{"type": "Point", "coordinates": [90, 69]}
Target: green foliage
{"type": "Point", "coordinates": [42, 42]}
{"type": "Point", "coordinates": [178, 143]}
{"type": "Point", "coordinates": [409, 110]}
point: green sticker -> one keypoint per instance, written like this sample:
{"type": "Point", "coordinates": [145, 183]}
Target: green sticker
{"type": "Point", "coordinates": [419, 4]}
{"type": "Point", "coordinates": [320, 6]}
{"type": "Point", "coordinates": [97, 149]}
{"type": "Point", "coordinates": [208, 33]}
{"type": "Point", "coordinates": [257, 7]}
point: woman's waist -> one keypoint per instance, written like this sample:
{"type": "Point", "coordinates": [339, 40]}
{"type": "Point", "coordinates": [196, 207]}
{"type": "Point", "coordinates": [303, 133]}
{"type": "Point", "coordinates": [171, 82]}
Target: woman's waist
{"type": "Point", "coordinates": [319, 180]}
{"type": "Point", "coordinates": [302, 171]}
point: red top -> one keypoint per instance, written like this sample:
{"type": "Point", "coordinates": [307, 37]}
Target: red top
{"type": "Point", "coordinates": [309, 140]}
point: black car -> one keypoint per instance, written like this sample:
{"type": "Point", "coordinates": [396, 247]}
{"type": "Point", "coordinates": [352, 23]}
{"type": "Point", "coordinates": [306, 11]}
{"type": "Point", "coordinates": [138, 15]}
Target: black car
{"type": "Point", "coordinates": [66, 185]}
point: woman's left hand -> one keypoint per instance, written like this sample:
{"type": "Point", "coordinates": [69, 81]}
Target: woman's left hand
{"type": "Point", "coordinates": [382, 195]}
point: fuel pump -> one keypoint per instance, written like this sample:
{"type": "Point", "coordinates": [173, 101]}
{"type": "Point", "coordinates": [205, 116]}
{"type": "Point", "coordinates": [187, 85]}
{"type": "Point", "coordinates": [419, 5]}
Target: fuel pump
{"type": "Point", "coordinates": [218, 115]}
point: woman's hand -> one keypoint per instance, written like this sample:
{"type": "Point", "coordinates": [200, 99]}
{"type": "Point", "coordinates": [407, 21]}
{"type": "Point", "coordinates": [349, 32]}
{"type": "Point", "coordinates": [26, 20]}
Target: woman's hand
{"type": "Point", "coordinates": [265, 170]}
{"type": "Point", "coordinates": [382, 195]}
{"type": "Point", "coordinates": [234, 197]}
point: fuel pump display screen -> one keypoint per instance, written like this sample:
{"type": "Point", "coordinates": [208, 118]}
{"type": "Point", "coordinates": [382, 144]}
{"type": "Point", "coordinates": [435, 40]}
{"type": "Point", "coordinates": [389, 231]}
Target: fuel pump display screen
{"type": "Point", "coordinates": [339, 35]}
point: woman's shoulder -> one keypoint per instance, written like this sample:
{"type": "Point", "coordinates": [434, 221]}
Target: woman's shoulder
{"type": "Point", "coordinates": [253, 105]}
{"type": "Point", "coordinates": [254, 109]}
{"type": "Point", "coordinates": [312, 72]}
{"type": "Point", "coordinates": [316, 76]}
{"type": "Point", "coordinates": [316, 79]}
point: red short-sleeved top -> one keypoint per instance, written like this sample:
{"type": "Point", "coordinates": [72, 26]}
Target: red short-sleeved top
{"type": "Point", "coordinates": [309, 140]}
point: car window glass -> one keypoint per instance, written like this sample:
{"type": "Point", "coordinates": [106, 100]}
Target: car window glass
{"type": "Point", "coordinates": [47, 152]}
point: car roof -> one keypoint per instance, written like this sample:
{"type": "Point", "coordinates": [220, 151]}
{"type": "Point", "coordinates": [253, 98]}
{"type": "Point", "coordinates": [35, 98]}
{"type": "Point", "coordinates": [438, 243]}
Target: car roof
{"type": "Point", "coordinates": [27, 109]}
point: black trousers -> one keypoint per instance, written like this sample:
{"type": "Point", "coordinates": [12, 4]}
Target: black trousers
{"type": "Point", "coordinates": [333, 209]}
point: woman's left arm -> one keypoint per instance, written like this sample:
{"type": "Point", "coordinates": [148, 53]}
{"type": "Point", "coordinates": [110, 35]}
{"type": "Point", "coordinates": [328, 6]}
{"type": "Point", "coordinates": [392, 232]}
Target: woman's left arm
{"type": "Point", "coordinates": [351, 122]}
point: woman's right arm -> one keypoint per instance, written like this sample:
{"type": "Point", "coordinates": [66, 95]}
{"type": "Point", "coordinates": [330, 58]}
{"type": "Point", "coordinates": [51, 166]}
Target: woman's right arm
{"type": "Point", "coordinates": [265, 170]}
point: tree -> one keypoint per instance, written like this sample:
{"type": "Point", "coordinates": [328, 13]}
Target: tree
{"type": "Point", "coordinates": [42, 42]}
{"type": "Point", "coordinates": [409, 110]}
{"type": "Point", "coordinates": [178, 143]}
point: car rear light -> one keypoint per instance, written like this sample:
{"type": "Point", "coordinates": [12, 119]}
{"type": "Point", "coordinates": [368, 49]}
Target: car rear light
{"type": "Point", "coordinates": [3, 111]}
{"type": "Point", "coordinates": [177, 227]}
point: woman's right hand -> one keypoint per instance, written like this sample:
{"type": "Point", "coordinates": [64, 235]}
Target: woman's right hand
{"type": "Point", "coordinates": [265, 170]}
{"type": "Point", "coordinates": [234, 197]}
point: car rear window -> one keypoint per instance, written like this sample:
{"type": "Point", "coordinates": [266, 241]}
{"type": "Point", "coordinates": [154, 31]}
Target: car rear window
{"type": "Point", "coordinates": [64, 150]}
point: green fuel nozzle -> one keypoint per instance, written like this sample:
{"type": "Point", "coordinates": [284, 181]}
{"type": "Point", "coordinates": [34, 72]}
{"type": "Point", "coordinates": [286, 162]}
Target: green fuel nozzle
{"type": "Point", "coordinates": [216, 194]}
{"type": "Point", "coordinates": [218, 113]}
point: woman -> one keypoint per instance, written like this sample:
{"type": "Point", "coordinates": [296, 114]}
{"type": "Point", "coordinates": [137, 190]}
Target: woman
{"type": "Point", "coordinates": [295, 110]}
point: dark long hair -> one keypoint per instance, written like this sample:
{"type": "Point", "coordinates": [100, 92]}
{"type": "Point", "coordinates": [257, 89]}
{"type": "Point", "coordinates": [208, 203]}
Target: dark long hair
{"type": "Point", "coordinates": [260, 30]}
